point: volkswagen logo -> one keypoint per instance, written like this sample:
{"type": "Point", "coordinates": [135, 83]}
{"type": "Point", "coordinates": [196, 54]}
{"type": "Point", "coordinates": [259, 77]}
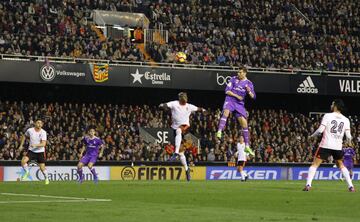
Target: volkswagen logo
{"type": "Point", "coordinates": [47, 73]}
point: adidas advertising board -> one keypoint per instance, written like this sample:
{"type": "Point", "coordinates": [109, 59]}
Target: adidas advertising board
{"type": "Point", "coordinates": [307, 86]}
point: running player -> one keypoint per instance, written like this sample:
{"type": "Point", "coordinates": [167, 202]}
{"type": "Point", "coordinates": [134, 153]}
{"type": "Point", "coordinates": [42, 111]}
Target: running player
{"type": "Point", "coordinates": [180, 113]}
{"type": "Point", "coordinates": [349, 157]}
{"type": "Point", "coordinates": [237, 89]}
{"type": "Point", "coordinates": [241, 158]}
{"type": "Point", "coordinates": [92, 144]}
{"type": "Point", "coordinates": [36, 150]}
{"type": "Point", "coordinates": [333, 127]}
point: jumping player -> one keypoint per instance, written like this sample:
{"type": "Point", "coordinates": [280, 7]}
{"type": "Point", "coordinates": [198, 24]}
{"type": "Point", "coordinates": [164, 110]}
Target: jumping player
{"type": "Point", "coordinates": [92, 144]}
{"type": "Point", "coordinates": [237, 89]}
{"type": "Point", "coordinates": [180, 113]}
{"type": "Point", "coordinates": [36, 151]}
{"type": "Point", "coordinates": [241, 158]}
{"type": "Point", "coordinates": [333, 127]}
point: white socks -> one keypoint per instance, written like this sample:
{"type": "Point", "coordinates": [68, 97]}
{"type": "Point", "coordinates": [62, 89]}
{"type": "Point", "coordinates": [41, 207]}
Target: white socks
{"type": "Point", "coordinates": [243, 175]}
{"type": "Point", "coordinates": [178, 139]}
{"type": "Point", "coordinates": [183, 161]}
{"type": "Point", "coordinates": [311, 174]}
{"type": "Point", "coordinates": [346, 174]}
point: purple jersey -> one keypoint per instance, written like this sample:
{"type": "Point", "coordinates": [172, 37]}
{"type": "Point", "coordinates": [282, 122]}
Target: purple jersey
{"type": "Point", "coordinates": [238, 87]}
{"type": "Point", "coordinates": [92, 145]}
{"type": "Point", "coordinates": [349, 154]}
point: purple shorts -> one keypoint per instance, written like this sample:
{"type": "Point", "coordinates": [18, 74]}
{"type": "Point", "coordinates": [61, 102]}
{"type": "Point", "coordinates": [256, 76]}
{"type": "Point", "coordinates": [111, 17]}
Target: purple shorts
{"type": "Point", "coordinates": [349, 165]}
{"type": "Point", "coordinates": [88, 159]}
{"type": "Point", "coordinates": [239, 109]}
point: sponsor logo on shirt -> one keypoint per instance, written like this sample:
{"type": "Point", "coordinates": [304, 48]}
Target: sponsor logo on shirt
{"type": "Point", "coordinates": [307, 86]}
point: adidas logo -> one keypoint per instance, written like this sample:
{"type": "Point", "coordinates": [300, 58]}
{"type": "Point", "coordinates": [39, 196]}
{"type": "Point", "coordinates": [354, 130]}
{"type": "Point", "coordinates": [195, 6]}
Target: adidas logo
{"type": "Point", "coordinates": [307, 86]}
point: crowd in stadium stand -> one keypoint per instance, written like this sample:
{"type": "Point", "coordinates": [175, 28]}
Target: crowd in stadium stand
{"type": "Point", "coordinates": [57, 28]}
{"type": "Point", "coordinates": [219, 32]}
{"type": "Point", "coordinates": [276, 136]}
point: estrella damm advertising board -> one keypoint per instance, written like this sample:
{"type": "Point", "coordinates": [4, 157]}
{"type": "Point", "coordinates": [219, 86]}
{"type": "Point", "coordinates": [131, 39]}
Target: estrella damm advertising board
{"type": "Point", "coordinates": [156, 173]}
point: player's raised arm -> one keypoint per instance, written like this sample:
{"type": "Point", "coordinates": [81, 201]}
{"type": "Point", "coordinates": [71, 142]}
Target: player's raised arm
{"type": "Point", "coordinates": [250, 90]}
{"type": "Point", "coordinates": [321, 128]}
{"type": "Point", "coordinates": [163, 106]}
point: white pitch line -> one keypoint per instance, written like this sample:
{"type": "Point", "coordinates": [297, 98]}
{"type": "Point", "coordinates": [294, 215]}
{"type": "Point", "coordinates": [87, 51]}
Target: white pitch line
{"type": "Point", "coordinates": [54, 197]}
{"type": "Point", "coordinates": [49, 201]}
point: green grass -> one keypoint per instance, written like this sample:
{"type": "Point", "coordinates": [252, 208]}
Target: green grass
{"type": "Point", "coordinates": [181, 201]}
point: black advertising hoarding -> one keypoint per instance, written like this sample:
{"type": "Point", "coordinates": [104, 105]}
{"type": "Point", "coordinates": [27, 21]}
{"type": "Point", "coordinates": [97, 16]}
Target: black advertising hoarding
{"type": "Point", "coordinates": [150, 77]}
{"type": "Point", "coordinates": [19, 71]}
{"type": "Point", "coordinates": [61, 73]}
{"type": "Point", "coordinates": [347, 86]}
{"type": "Point", "coordinates": [308, 84]}
{"type": "Point", "coordinates": [268, 82]}
{"type": "Point", "coordinates": [172, 78]}
{"type": "Point", "coordinates": [161, 135]}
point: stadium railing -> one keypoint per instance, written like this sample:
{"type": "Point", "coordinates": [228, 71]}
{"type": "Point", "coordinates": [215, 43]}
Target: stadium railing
{"type": "Point", "coordinates": [173, 65]}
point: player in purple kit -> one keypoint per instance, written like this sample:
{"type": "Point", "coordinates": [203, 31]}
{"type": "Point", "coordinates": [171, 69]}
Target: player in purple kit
{"type": "Point", "coordinates": [92, 144]}
{"type": "Point", "coordinates": [349, 156]}
{"type": "Point", "coordinates": [237, 89]}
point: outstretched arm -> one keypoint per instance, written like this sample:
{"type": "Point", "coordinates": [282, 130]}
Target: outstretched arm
{"type": "Point", "coordinates": [22, 141]}
{"type": "Point", "coordinates": [101, 151]}
{"type": "Point", "coordinates": [163, 106]}
{"type": "Point", "coordinates": [199, 109]}
{"type": "Point", "coordinates": [319, 131]}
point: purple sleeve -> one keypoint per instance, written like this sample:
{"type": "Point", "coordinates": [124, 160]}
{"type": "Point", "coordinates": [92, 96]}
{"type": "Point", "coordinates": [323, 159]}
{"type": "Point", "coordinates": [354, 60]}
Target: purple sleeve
{"type": "Point", "coordinates": [83, 141]}
{"type": "Point", "coordinates": [230, 85]}
{"type": "Point", "coordinates": [101, 142]}
{"type": "Point", "coordinates": [353, 152]}
{"type": "Point", "coordinates": [251, 85]}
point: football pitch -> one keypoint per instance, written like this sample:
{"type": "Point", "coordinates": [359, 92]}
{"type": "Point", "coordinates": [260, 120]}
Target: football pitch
{"type": "Point", "coordinates": [178, 201]}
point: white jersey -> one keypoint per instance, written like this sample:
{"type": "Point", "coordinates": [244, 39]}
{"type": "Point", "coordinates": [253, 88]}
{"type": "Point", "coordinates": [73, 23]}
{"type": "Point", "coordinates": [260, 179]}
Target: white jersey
{"type": "Point", "coordinates": [180, 113]}
{"type": "Point", "coordinates": [334, 126]}
{"type": "Point", "coordinates": [241, 151]}
{"type": "Point", "coordinates": [36, 138]}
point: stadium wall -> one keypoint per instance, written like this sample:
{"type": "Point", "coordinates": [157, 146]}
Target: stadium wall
{"type": "Point", "coordinates": [173, 78]}
{"type": "Point", "coordinates": [164, 171]}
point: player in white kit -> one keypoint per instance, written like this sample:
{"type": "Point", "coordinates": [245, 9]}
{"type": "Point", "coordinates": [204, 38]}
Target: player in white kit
{"type": "Point", "coordinates": [180, 113]}
{"type": "Point", "coordinates": [36, 151]}
{"type": "Point", "coordinates": [333, 127]}
{"type": "Point", "coordinates": [241, 158]}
